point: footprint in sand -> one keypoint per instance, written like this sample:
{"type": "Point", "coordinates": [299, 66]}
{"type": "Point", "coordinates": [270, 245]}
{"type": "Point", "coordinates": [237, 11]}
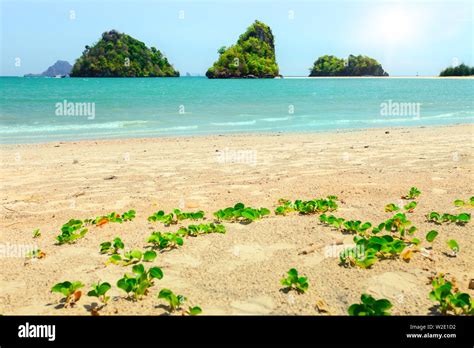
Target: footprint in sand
{"type": "Point", "coordinates": [392, 285]}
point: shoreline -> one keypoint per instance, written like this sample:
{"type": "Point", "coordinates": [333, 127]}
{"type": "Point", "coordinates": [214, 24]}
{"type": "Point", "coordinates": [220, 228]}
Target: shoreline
{"type": "Point", "coordinates": [237, 134]}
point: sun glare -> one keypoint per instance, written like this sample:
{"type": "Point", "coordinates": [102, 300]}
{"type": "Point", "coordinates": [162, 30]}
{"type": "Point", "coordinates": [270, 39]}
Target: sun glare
{"type": "Point", "coordinates": [393, 26]}
{"type": "Point", "coordinates": [396, 26]}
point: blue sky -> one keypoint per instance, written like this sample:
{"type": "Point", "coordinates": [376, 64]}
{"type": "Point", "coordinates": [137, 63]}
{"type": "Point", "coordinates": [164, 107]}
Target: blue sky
{"type": "Point", "coordinates": [407, 37]}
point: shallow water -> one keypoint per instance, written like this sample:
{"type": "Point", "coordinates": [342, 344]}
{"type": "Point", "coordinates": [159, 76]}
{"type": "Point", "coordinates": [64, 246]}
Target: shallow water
{"type": "Point", "coordinates": [30, 108]}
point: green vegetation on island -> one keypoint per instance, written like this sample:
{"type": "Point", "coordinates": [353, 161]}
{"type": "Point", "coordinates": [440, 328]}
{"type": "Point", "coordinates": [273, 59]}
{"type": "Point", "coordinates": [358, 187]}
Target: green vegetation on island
{"type": "Point", "coordinates": [253, 56]}
{"type": "Point", "coordinates": [460, 70]}
{"type": "Point", "coordinates": [120, 55]}
{"type": "Point", "coordinates": [353, 66]}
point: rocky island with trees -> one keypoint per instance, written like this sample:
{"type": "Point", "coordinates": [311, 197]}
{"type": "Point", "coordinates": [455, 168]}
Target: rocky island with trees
{"type": "Point", "coordinates": [253, 56]}
{"type": "Point", "coordinates": [120, 55]}
{"type": "Point", "coordinates": [354, 66]}
{"type": "Point", "coordinates": [459, 70]}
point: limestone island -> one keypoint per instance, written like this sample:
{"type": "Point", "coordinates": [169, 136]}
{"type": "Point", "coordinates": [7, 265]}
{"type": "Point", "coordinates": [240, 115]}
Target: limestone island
{"type": "Point", "coordinates": [253, 56]}
{"type": "Point", "coordinates": [354, 66]}
{"type": "Point", "coordinates": [120, 55]}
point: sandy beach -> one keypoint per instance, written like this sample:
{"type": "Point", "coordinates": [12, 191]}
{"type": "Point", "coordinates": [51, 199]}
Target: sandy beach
{"type": "Point", "coordinates": [45, 185]}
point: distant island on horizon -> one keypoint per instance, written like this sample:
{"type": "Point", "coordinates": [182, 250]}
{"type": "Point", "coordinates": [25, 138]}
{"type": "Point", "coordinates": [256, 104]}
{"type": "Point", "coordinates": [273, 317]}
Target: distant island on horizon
{"type": "Point", "coordinates": [61, 68]}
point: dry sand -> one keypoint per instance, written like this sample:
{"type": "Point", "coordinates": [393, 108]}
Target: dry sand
{"type": "Point", "coordinates": [45, 185]}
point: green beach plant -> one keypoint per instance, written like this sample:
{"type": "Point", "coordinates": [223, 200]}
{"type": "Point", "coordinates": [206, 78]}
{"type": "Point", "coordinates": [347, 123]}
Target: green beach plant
{"type": "Point", "coordinates": [132, 256]}
{"type": "Point", "coordinates": [369, 250]}
{"type": "Point", "coordinates": [410, 207]}
{"type": "Point", "coordinates": [398, 223]}
{"type": "Point", "coordinates": [349, 226]}
{"type": "Point", "coordinates": [412, 194]}
{"type": "Point", "coordinates": [332, 221]}
{"type": "Point", "coordinates": [36, 233]}
{"type": "Point", "coordinates": [461, 203]}
{"type": "Point", "coordinates": [71, 231]}
{"type": "Point", "coordinates": [460, 219]}
{"type": "Point", "coordinates": [128, 215]}
{"type": "Point", "coordinates": [36, 254]}
{"type": "Point", "coordinates": [166, 240]}
{"type": "Point", "coordinates": [189, 215]}
{"type": "Point", "coordinates": [294, 281]}
{"type": "Point", "coordinates": [112, 217]}
{"type": "Point", "coordinates": [240, 213]}
{"type": "Point", "coordinates": [356, 226]}
{"type": "Point", "coordinates": [454, 246]}
{"type": "Point", "coordinates": [369, 306]}
{"type": "Point", "coordinates": [358, 257]}
{"type": "Point", "coordinates": [70, 290]}
{"type": "Point", "coordinates": [195, 230]}
{"type": "Point", "coordinates": [450, 300]}
{"type": "Point", "coordinates": [167, 219]}
{"type": "Point", "coordinates": [139, 281]}
{"type": "Point", "coordinates": [99, 290]}
{"type": "Point", "coordinates": [315, 206]}
{"type": "Point", "coordinates": [431, 235]}
{"type": "Point", "coordinates": [112, 247]}
{"type": "Point", "coordinates": [176, 301]}
{"type": "Point", "coordinates": [176, 216]}
{"type": "Point", "coordinates": [285, 207]}
{"type": "Point", "coordinates": [391, 208]}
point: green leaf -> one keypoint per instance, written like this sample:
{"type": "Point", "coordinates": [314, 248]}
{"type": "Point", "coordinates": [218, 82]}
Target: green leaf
{"type": "Point", "coordinates": [60, 286]}
{"type": "Point", "coordinates": [464, 217]}
{"type": "Point", "coordinates": [382, 305]}
{"type": "Point", "coordinates": [459, 203]}
{"type": "Point", "coordinates": [115, 258]}
{"type": "Point", "coordinates": [453, 245]}
{"type": "Point", "coordinates": [195, 310]}
{"type": "Point", "coordinates": [355, 309]}
{"type": "Point", "coordinates": [136, 254]}
{"type": "Point", "coordinates": [239, 206]}
{"type": "Point", "coordinates": [124, 285]}
{"type": "Point", "coordinates": [149, 255]}
{"type": "Point", "coordinates": [431, 235]}
{"type": "Point", "coordinates": [391, 207]}
{"type": "Point", "coordinates": [138, 269]}
{"type": "Point", "coordinates": [156, 272]}
{"type": "Point", "coordinates": [104, 247]}
{"type": "Point", "coordinates": [103, 288]}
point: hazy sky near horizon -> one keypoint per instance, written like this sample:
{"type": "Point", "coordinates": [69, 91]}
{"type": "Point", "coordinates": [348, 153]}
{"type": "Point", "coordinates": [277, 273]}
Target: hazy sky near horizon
{"type": "Point", "coordinates": [407, 37]}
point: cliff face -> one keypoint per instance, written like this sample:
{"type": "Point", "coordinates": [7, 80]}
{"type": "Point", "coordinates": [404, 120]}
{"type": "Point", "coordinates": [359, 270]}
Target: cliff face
{"type": "Point", "coordinates": [353, 66]}
{"type": "Point", "coordinates": [120, 55]}
{"type": "Point", "coordinates": [61, 67]}
{"type": "Point", "coordinates": [252, 56]}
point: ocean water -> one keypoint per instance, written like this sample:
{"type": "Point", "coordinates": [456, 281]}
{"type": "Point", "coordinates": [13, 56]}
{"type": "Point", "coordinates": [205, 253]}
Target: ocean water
{"type": "Point", "coordinates": [36, 110]}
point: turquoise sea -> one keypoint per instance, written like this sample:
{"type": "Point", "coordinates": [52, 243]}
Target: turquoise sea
{"type": "Point", "coordinates": [141, 107]}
